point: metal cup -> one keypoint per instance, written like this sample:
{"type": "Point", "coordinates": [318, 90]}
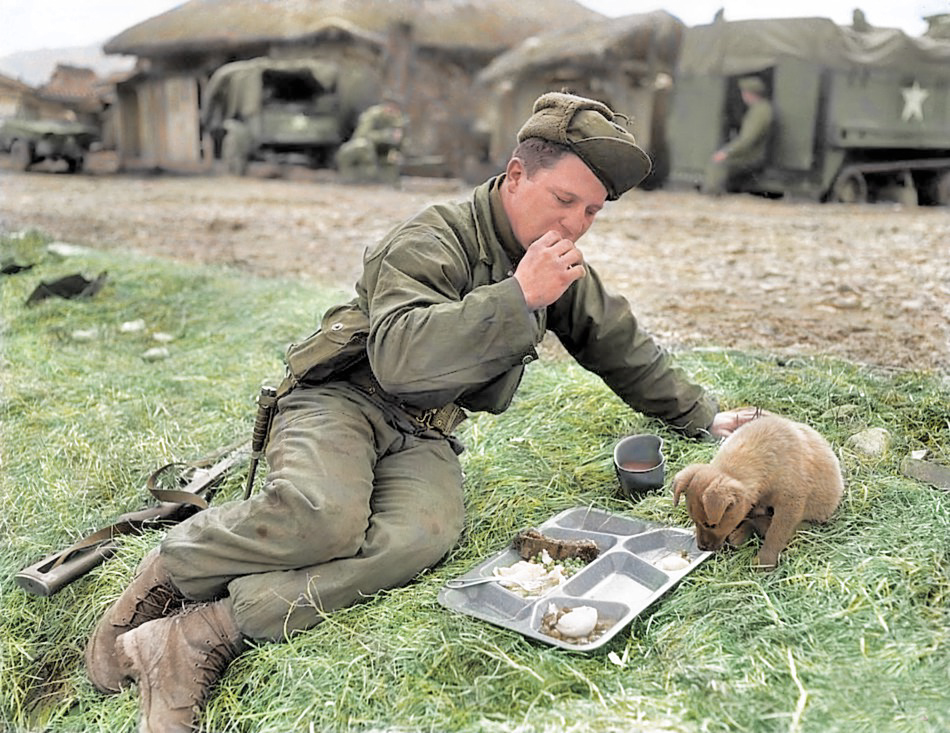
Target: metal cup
{"type": "Point", "coordinates": [639, 462]}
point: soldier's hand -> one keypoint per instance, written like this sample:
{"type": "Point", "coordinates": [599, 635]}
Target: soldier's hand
{"type": "Point", "coordinates": [726, 423]}
{"type": "Point", "coordinates": [549, 266]}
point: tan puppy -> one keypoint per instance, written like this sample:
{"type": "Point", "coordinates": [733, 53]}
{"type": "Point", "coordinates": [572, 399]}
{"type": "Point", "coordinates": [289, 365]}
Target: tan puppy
{"type": "Point", "coordinates": [769, 476]}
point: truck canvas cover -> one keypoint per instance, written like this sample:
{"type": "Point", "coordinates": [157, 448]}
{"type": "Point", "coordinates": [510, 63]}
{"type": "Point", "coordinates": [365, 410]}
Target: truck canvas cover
{"type": "Point", "coordinates": [739, 47]}
{"type": "Point", "coordinates": [236, 90]}
{"type": "Point", "coordinates": [859, 114]}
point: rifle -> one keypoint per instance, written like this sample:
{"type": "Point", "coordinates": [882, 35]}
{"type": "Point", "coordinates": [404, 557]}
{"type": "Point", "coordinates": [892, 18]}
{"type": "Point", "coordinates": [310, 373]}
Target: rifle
{"type": "Point", "coordinates": [198, 485]}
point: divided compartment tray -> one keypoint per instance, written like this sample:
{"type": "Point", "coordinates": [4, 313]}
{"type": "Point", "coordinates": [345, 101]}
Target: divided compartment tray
{"type": "Point", "coordinates": [625, 578]}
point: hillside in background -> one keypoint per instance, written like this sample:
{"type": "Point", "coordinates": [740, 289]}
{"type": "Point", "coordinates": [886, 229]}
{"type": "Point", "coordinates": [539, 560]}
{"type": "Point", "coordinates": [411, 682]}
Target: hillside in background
{"type": "Point", "coordinates": [36, 67]}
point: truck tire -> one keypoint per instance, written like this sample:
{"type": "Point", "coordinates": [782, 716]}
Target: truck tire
{"type": "Point", "coordinates": [233, 153]}
{"type": "Point", "coordinates": [939, 190]}
{"type": "Point", "coordinates": [22, 153]}
{"type": "Point", "coordinates": [850, 188]}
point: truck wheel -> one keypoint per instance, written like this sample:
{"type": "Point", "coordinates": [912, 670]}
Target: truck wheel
{"type": "Point", "coordinates": [22, 153]}
{"type": "Point", "coordinates": [850, 188]}
{"type": "Point", "coordinates": [233, 153]}
{"type": "Point", "coordinates": [941, 189]}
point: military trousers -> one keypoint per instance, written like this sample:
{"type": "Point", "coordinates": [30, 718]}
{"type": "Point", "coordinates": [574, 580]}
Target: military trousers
{"type": "Point", "coordinates": [725, 175]}
{"type": "Point", "coordinates": [351, 505]}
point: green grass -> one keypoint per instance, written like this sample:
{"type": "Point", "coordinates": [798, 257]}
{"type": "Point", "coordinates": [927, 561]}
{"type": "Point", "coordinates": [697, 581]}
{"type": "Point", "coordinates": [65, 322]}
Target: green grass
{"type": "Point", "coordinates": [850, 633]}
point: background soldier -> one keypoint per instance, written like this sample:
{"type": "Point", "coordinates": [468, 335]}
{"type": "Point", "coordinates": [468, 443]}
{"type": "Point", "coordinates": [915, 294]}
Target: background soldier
{"type": "Point", "coordinates": [744, 154]}
{"type": "Point", "coordinates": [373, 151]}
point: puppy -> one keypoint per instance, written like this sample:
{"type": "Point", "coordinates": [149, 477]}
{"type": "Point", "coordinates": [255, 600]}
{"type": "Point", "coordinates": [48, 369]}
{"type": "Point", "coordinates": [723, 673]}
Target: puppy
{"type": "Point", "coordinates": [768, 476]}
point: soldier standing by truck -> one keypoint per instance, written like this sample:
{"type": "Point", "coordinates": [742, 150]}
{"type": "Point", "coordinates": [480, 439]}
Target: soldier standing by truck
{"type": "Point", "coordinates": [744, 154]}
{"type": "Point", "coordinates": [373, 154]}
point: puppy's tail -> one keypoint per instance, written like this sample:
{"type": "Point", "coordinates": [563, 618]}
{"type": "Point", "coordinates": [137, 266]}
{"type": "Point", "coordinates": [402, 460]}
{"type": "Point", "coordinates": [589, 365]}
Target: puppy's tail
{"type": "Point", "coordinates": [682, 479]}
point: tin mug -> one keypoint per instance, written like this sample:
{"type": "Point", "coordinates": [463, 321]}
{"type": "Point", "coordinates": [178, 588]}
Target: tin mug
{"type": "Point", "coordinates": [639, 463]}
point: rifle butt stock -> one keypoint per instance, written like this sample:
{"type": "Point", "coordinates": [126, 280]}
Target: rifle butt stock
{"type": "Point", "coordinates": [45, 577]}
{"type": "Point", "coordinates": [56, 571]}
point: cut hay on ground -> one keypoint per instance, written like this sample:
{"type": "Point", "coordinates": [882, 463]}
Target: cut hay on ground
{"type": "Point", "coordinates": [851, 633]}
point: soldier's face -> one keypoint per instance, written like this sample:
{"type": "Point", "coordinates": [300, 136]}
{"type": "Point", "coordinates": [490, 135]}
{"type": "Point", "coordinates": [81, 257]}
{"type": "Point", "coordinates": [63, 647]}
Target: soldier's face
{"type": "Point", "coordinates": [564, 198]}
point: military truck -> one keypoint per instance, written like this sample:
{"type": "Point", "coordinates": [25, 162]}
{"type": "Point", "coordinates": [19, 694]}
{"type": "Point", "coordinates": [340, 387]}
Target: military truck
{"type": "Point", "coordinates": [31, 141]}
{"type": "Point", "coordinates": [859, 116]}
{"type": "Point", "coordinates": [290, 110]}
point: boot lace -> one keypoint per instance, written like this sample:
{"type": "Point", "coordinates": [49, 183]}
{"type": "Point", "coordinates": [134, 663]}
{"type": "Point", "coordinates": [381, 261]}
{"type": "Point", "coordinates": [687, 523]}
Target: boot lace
{"type": "Point", "coordinates": [210, 666]}
{"type": "Point", "coordinates": [158, 601]}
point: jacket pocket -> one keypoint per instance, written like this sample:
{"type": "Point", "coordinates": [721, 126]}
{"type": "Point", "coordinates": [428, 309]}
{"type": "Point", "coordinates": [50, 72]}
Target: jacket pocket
{"type": "Point", "coordinates": [338, 344]}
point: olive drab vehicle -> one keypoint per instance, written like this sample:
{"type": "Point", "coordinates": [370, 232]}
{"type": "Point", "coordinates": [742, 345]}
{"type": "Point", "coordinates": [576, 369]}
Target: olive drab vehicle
{"type": "Point", "coordinates": [859, 116]}
{"type": "Point", "coordinates": [279, 110]}
{"type": "Point", "coordinates": [31, 141]}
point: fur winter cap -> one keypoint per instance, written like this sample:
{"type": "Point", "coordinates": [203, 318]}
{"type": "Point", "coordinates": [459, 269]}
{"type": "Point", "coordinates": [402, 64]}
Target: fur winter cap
{"type": "Point", "coordinates": [589, 129]}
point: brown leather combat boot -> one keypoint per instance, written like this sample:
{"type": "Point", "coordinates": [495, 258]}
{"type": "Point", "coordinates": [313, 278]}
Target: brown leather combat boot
{"type": "Point", "coordinates": [150, 595]}
{"type": "Point", "coordinates": [177, 660]}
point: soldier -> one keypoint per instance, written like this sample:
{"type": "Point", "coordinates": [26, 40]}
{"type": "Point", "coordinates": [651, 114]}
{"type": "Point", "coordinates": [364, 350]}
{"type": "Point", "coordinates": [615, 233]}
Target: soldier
{"type": "Point", "coordinates": [364, 488]}
{"type": "Point", "coordinates": [745, 154]}
{"type": "Point", "coordinates": [373, 151]}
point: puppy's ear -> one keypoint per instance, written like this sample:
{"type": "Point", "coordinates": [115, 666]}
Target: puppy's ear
{"type": "Point", "coordinates": [716, 499]}
{"type": "Point", "coordinates": [681, 481]}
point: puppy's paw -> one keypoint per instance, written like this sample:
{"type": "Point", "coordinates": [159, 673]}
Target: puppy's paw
{"type": "Point", "coordinates": [740, 534]}
{"type": "Point", "coordinates": [766, 560]}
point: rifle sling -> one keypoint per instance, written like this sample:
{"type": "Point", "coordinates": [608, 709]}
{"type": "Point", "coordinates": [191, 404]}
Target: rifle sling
{"type": "Point", "coordinates": [123, 526]}
{"type": "Point", "coordinates": [172, 500]}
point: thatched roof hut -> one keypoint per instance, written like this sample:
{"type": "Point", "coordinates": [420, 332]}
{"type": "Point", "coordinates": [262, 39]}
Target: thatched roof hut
{"type": "Point", "coordinates": [75, 86]}
{"type": "Point", "coordinates": [426, 52]}
{"type": "Point", "coordinates": [628, 43]}
{"type": "Point", "coordinates": [626, 62]}
{"type": "Point", "coordinates": [486, 26]}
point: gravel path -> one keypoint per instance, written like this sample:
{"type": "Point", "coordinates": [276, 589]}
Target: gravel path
{"type": "Point", "coordinates": [867, 283]}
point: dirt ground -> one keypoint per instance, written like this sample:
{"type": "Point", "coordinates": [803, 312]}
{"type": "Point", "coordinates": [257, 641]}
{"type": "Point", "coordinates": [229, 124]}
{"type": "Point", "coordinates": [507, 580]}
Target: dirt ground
{"type": "Point", "coordinates": [868, 283]}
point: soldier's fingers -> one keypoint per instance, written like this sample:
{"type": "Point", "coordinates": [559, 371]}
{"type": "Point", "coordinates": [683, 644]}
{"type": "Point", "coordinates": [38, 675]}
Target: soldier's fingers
{"type": "Point", "coordinates": [571, 257]}
{"type": "Point", "coordinates": [576, 272]}
{"type": "Point", "coordinates": [547, 239]}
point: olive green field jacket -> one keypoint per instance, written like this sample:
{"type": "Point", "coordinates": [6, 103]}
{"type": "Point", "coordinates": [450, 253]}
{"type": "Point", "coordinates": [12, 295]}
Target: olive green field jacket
{"type": "Point", "coordinates": [750, 147]}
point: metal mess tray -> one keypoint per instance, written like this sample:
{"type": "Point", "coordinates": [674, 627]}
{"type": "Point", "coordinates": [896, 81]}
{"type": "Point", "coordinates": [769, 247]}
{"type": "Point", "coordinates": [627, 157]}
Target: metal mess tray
{"type": "Point", "coordinates": [620, 583]}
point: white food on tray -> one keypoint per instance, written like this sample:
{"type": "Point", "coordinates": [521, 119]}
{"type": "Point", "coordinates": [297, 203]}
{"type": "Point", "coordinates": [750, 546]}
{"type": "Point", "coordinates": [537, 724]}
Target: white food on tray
{"type": "Point", "coordinates": [673, 562]}
{"type": "Point", "coordinates": [534, 577]}
{"type": "Point", "coordinates": [577, 622]}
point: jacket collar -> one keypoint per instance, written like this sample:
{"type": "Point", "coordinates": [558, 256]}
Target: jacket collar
{"type": "Point", "coordinates": [497, 247]}
{"type": "Point", "coordinates": [506, 234]}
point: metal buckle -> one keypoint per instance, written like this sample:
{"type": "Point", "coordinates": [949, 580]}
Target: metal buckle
{"type": "Point", "coordinates": [425, 418]}
{"type": "Point", "coordinates": [442, 419]}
